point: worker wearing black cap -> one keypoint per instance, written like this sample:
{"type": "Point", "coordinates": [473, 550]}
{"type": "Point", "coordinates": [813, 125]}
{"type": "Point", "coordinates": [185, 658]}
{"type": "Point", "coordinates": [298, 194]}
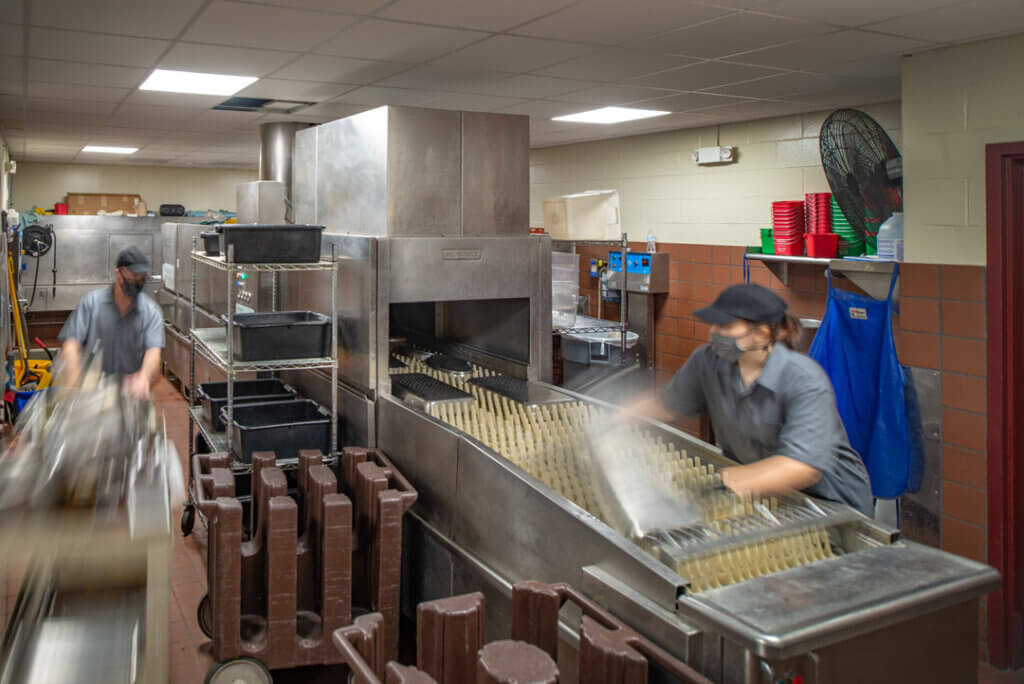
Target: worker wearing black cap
{"type": "Point", "coordinates": [122, 321]}
{"type": "Point", "coordinates": [772, 408]}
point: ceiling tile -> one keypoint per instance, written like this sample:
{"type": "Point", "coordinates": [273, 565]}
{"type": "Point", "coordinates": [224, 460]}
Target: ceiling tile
{"type": "Point", "coordinates": [376, 96]}
{"type": "Point", "coordinates": [95, 48]}
{"type": "Point", "coordinates": [614, 64]}
{"type": "Point", "coordinates": [530, 86]}
{"type": "Point", "coordinates": [971, 20]}
{"type": "Point", "coordinates": [244, 25]}
{"type": "Point", "coordinates": [338, 69]}
{"type": "Point", "coordinates": [788, 84]}
{"type": "Point", "coordinates": [392, 41]}
{"type": "Point", "coordinates": [150, 116]}
{"type": "Point", "coordinates": [214, 119]}
{"type": "Point", "coordinates": [606, 95]}
{"type": "Point", "coordinates": [846, 13]}
{"type": "Point", "coordinates": [458, 79]}
{"type": "Point", "coordinates": [342, 6]}
{"type": "Point", "coordinates": [543, 109]}
{"type": "Point", "coordinates": [471, 103]}
{"type": "Point", "coordinates": [330, 109]}
{"type": "Point", "coordinates": [76, 92]}
{"type": "Point", "coordinates": [67, 118]}
{"type": "Point", "coordinates": [185, 101]}
{"type": "Point", "coordinates": [303, 91]}
{"type": "Point", "coordinates": [730, 35]}
{"type": "Point", "coordinates": [222, 59]}
{"type": "Point", "coordinates": [54, 71]}
{"type": "Point", "coordinates": [753, 109]}
{"type": "Point", "coordinates": [835, 48]}
{"type": "Point", "coordinates": [613, 21]}
{"type": "Point", "coordinates": [485, 15]}
{"type": "Point", "coordinates": [705, 75]}
{"type": "Point", "coordinates": [685, 102]}
{"type": "Point", "coordinates": [144, 18]}
{"type": "Point", "coordinates": [12, 40]}
{"type": "Point", "coordinates": [515, 53]}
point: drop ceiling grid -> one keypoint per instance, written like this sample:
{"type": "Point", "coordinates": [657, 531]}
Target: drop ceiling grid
{"type": "Point", "coordinates": [540, 57]}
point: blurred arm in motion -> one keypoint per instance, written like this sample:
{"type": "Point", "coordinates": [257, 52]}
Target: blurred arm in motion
{"type": "Point", "coordinates": [71, 358]}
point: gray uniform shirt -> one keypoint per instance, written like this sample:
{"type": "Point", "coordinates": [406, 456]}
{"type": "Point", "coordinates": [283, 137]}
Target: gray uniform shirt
{"type": "Point", "coordinates": [97, 322]}
{"type": "Point", "coordinates": [790, 410]}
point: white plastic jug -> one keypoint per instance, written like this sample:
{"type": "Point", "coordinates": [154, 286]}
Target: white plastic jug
{"type": "Point", "coordinates": [890, 238]}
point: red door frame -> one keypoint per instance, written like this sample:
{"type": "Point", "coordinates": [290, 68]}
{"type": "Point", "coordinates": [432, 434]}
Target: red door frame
{"type": "Point", "coordinates": [1004, 190]}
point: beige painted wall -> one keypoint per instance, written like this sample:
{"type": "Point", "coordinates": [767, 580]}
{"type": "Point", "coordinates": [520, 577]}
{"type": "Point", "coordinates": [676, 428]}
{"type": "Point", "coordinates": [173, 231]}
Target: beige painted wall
{"type": "Point", "coordinates": [44, 184]}
{"type": "Point", "coordinates": [662, 189]}
{"type": "Point", "coordinates": [955, 101]}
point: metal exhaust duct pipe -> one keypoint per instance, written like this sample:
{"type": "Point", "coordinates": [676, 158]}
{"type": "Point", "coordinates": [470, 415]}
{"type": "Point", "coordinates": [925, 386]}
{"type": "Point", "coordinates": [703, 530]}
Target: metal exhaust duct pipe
{"type": "Point", "coordinates": [277, 145]}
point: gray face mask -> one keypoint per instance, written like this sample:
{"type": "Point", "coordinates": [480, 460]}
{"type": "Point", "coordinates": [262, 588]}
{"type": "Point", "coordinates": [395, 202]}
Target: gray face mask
{"type": "Point", "coordinates": [726, 348]}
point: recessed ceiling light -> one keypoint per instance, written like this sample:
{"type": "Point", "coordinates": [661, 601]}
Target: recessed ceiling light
{"type": "Point", "coordinates": [196, 83]}
{"type": "Point", "coordinates": [102, 149]}
{"type": "Point", "coordinates": [611, 115]}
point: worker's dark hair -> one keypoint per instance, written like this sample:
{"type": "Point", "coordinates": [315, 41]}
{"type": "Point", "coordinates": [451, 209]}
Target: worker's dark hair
{"type": "Point", "coordinates": [788, 331]}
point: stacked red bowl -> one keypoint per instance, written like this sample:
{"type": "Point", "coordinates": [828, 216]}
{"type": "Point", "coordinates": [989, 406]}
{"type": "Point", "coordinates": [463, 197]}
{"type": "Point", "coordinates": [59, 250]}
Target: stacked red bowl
{"type": "Point", "coordinates": [819, 212]}
{"type": "Point", "coordinates": [788, 227]}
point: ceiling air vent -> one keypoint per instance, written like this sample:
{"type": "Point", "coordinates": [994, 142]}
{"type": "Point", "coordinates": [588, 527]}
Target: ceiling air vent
{"type": "Point", "coordinates": [257, 104]}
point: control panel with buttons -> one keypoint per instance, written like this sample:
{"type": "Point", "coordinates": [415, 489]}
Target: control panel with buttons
{"type": "Point", "coordinates": [646, 272]}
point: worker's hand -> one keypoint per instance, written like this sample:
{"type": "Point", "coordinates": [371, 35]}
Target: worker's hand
{"type": "Point", "coordinates": [137, 385]}
{"type": "Point", "coordinates": [738, 480]}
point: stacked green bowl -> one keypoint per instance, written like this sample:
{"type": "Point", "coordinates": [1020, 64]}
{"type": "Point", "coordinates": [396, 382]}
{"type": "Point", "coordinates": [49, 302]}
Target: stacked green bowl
{"type": "Point", "coordinates": [850, 242]}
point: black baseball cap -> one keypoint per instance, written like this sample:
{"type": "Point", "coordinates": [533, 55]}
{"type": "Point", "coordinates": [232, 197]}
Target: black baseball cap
{"type": "Point", "coordinates": [134, 260]}
{"type": "Point", "coordinates": [748, 302]}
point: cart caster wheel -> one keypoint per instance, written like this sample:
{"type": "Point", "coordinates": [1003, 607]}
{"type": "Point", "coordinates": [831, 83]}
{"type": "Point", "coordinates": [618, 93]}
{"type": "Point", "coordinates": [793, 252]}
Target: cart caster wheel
{"type": "Point", "coordinates": [204, 615]}
{"type": "Point", "coordinates": [239, 671]}
{"type": "Point", "coordinates": [188, 520]}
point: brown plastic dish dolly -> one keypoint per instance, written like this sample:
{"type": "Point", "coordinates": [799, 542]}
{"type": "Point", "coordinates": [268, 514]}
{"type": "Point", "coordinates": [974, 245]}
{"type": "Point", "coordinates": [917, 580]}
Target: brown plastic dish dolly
{"type": "Point", "coordinates": [450, 649]}
{"type": "Point", "coordinates": [275, 599]}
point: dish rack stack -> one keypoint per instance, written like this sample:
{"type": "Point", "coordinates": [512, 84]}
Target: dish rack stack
{"type": "Point", "coordinates": [218, 346]}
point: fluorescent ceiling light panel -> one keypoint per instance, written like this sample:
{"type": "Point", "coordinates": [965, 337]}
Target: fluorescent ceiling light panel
{"type": "Point", "coordinates": [611, 115]}
{"type": "Point", "coordinates": [102, 149]}
{"type": "Point", "coordinates": [196, 83]}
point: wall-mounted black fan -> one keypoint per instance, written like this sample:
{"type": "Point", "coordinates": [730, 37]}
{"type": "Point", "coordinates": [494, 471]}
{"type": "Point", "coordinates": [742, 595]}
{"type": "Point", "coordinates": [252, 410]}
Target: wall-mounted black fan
{"type": "Point", "coordinates": [863, 167]}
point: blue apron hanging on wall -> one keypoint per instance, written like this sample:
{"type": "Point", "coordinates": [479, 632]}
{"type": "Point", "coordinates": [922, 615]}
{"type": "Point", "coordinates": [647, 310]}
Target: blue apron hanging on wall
{"type": "Point", "coordinates": [856, 348]}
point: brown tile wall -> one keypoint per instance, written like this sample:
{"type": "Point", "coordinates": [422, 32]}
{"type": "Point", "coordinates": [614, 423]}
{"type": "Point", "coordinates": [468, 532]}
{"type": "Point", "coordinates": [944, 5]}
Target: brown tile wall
{"type": "Point", "coordinates": [941, 326]}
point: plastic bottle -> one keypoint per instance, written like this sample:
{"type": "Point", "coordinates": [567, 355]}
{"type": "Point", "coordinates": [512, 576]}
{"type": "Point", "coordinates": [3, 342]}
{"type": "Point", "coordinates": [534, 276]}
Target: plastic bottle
{"type": "Point", "coordinates": [890, 238]}
{"type": "Point", "coordinates": [652, 247]}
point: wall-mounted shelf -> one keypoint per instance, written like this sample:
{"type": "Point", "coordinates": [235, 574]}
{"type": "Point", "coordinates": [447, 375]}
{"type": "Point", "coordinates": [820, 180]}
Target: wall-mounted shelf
{"type": "Point", "coordinates": [871, 276]}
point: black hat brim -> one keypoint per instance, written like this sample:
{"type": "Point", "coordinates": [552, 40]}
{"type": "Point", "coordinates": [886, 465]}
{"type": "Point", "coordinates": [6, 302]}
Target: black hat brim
{"type": "Point", "coordinates": [713, 316]}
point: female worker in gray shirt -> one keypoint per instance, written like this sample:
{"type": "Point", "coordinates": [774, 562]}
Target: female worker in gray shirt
{"type": "Point", "coordinates": [772, 408]}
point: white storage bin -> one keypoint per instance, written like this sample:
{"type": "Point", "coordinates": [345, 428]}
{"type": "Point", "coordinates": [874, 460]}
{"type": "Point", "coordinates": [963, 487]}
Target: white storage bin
{"type": "Point", "coordinates": [564, 274]}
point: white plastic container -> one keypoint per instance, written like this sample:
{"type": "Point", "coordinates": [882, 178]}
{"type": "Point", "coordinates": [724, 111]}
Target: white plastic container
{"type": "Point", "coordinates": [890, 238]}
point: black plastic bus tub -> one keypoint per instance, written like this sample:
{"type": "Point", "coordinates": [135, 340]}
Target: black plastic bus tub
{"type": "Point", "coordinates": [281, 335]}
{"type": "Point", "coordinates": [258, 243]}
{"type": "Point", "coordinates": [211, 242]}
{"type": "Point", "coordinates": [214, 396]}
{"type": "Point", "coordinates": [284, 427]}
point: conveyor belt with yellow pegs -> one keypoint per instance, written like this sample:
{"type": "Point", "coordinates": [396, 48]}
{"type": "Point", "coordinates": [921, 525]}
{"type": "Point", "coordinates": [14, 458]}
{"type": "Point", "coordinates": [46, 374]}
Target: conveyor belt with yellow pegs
{"type": "Point", "coordinates": [737, 540]}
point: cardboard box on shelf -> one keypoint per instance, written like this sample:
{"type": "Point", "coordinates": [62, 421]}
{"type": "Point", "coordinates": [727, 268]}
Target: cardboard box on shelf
{"type": "Point", "coordinates": [590, 215]}
{"type": "Point", "coordinates": [89, 203]}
